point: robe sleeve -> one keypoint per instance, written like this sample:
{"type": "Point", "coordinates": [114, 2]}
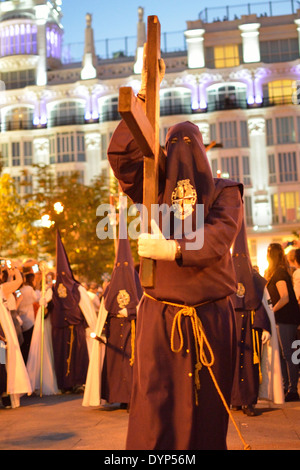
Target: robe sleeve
{"type": "Point", "coordinates": [220, 229]}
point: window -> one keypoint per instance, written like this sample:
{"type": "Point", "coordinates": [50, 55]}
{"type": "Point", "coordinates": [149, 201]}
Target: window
{"type": "Point", "coordinates": [17, 119]}
{"type": "Point", "coordinates": [229, 96]}
{"type": "Point", "coordinates": [213, 132]}
{"type": "Point", "coordinates": [275, 208]}
{"type": "Point", "coordinates": [285, 130]}
{"type": "Point", "coordinates": [290, 206]}
{"type": "Point", "coordinates": [244, 134]}
{"type": "Point", "coordinates": [175, 102]}
{"type": "Point", "coordinates": [287, 166]}
{"type": "Point", "coordinates": [27, 151]}
{"type": "Point", "coordinates": [67, 113]}
{"type": "Point", "coordinates": [80, 147]}
{"type": "Point", "coordinates": [214, 167]}
{"type": "Point", "coordinates": [230, 167]}
{"type": "Point", "coordinates": [52, 158]}
{"type": "Point", "coordinates": [67, 147]}
{"type": "Point", "coordinates": [4, 155]}
{"type": "Point", "coordinates": [270, 132]}
{"type": "Point", "coordinates": [246, 171]}
{"type": "Point", "coordinates": [248, 210]}
{"type": "Point", "coordinates": [279, 92]}
{"type": "Point", "coordinates": [228, 134]}
{"type": "Point", "coordinates": [18, 79]}
{"type": "Point", "coordinates": [18, 39]}
{"type": "Point", "coordinates": [103, 146]}
{"type": "Point", "coordinates": [226, 56]}
{"type": "Point", "coordinates": [16, 156]}
{"type": "Point", "coordinates": [272, 169]}
{"type": "Point", "coordinates": [27, 183]}
{"type": "Point", "coordinates": [281, 50]}
{"type": "Point", "coordinates": [109, 109]}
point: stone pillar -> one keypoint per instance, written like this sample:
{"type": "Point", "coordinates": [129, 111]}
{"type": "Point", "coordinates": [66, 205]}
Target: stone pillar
{"type": "Point", "coordinates": [141, 39]}
{"type": "Point", "coordinates": [262, 214]}
{"type": "Point", "coordinates": [41, 19]}
{"type": "Point", "coordinates": [297, 21]}
{"type": "Point", "coordinates": [195, 46]}
{"type": "Point", "coordinates": [250, 35]}
{"type": "Point", "coordinates": [89, 62]}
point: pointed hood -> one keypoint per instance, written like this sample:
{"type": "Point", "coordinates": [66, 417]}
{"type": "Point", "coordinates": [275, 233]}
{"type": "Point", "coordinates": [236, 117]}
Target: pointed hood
{"type": "Point", "coordinates": [188, 172]}
{"type": "Point", "coordinates": [66, 295]}
{"type": "Point", "coordinates": [124, 288]}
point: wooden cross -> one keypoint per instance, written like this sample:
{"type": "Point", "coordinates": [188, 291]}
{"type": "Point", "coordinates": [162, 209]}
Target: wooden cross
{"type": "Point", "coordinates": [143, 122]}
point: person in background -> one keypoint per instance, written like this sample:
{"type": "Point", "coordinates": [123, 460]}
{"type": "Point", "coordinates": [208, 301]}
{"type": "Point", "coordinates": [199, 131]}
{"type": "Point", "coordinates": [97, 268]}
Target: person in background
{"type": "Point", "coordinates": [14, 380]}
{"type": "Point", "coordinates": [93, 294]}
{"type": "Point", "coordinates": [296, 275]}
{"type": "Point", "coordinates": [291, 260]}
{"type": "Point", "coordinates": [287, 315]}
{"type": "Point", "coordinates": [26, 312]}
{"type": "Point", "coordinates": [252, 326]}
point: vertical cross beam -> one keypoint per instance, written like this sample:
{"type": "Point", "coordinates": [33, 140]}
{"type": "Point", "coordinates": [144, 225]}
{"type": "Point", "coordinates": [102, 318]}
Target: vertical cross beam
{"type": "Point", "coordinates": [151, 165]}
{"type": "Point", "coordinates": [144, 126]}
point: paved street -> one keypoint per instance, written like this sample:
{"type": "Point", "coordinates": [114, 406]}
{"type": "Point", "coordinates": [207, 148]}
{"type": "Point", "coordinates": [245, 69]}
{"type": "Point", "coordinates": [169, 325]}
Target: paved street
{"type": "Point", "coordinates": [62, 423]}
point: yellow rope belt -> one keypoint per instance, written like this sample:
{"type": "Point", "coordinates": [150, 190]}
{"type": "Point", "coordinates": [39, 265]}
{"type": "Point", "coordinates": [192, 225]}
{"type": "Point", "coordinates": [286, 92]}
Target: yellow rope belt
{"type": "Point", "coordinates": [256, 346]}
{"type": "Point", "coordinates": [71, 327]}
{"type": "Point", "coordinates": [200, 341]}
{"type": "Point", "coordinates": [131, 362]}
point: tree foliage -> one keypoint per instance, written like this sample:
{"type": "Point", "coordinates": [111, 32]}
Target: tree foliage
{"type": "Point", "coordinates": [22, 236]}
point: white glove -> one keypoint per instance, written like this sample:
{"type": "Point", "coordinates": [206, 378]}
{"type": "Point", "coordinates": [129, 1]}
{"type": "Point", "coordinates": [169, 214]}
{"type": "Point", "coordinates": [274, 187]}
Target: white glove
{"type": "Point", "coordinates": [123, 312]}
{"type": "Point", "coordinates": [265, 336]}
{"type": "Point", "coordinates": [162, 70]}
{"type": "Point", "coordinates": [155, 245]}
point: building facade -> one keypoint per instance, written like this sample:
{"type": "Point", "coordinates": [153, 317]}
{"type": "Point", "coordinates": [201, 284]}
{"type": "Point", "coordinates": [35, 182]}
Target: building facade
{"type": "Point", "coordinates": [237, 79]}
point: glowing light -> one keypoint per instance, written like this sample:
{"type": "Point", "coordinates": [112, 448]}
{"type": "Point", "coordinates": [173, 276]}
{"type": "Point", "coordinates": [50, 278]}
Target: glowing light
{"type": "Point", "coordinates": [46, 221]}
{"type": "Point", "coordinates": [58, 207]}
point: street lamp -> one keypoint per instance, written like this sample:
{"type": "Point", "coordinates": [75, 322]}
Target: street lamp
{"type": "Point", "coordinates": [46, 221]}
{"type": "Point", "coordinates": [58, 207]}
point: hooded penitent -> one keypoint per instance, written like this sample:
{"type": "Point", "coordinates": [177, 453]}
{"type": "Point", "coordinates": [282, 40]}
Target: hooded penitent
{"type": "Point", "coordinates": [121, 299]}
{"type": "Point", "coordinates": [164, 412]}
{"type": "Point", "coordinates": [68, 325]}
{"type": "Point", "coordinates": [124, 289]}
{"type": "Point", "coordinates": [66, 296]}
{"type": "Point", "coordinates": [189, 178]}
{"type": "Point", "coordinates": [250, 284]}
{"type": "Point", "coordinates": [251, 319]}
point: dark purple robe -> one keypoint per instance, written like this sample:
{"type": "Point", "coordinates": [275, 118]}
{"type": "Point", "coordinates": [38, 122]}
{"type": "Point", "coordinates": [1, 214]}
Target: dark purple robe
{"type": "Point", "coordinates": [251, 317]}
{"type": "Point", "coordinates": [164, 414]}
{"type": "Point", "coordinates": [123, 291]}
{"type": "Point", "coordinates": [70, 351]}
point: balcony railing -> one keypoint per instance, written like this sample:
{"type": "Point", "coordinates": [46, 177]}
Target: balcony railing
{"type": "Point", "coordinates": [165, 110]}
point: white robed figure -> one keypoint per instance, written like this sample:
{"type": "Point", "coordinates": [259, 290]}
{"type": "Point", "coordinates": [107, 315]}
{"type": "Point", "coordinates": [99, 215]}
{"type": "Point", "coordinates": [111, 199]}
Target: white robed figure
{"type": "Point", "coordinates": [49, 383]}
{"type": "Point", "coordinates": [92, 392]}
{"type": "Point", "coordinates": [18, 382]}
{"type": "Point", "coordinates": [271, 387]}
{"type": "Point", "coordinates": [34, 359]}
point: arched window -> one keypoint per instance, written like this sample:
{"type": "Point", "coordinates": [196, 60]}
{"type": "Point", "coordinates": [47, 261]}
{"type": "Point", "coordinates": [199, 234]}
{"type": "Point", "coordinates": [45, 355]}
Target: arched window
{"type": "Point", "coordinates": [67, 113]}
{"type": "Point", "coordinates": [175, 102]}
{"type": "Point", "coordinates": [226, 96]}
{"type": "Point", "coordinates": [109, 109]}
{"type": "Point", "coordinates": [17, 119]}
